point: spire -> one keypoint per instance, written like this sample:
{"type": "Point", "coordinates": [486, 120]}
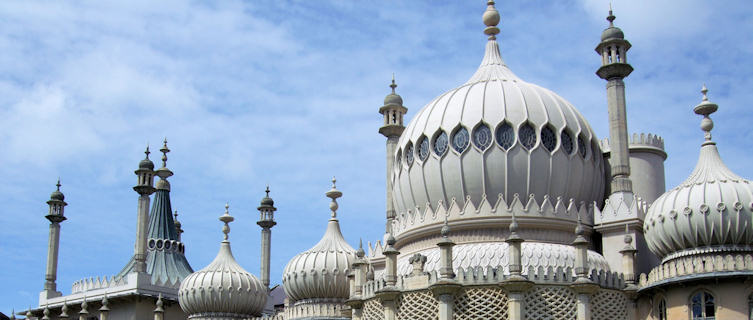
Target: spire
{"type": "Point", "coordinates": [706, 108]}
{"type": "Point", "coordinates": [226, 218]}
{"type": "Point", "coordinates": [334, 194]}
{"type": "Point", "coordinates": [393, 85]}
{"type": "Point", "coordinates": [611, 16]}
{"type": "Point", "coordinates": [360, 253]}
{"type": "Point", "coordinates": [164, 151]}
{"type": "Point", "coordinates": [164, 172]}
{"type": "Point", "coordinates": [13, 314]}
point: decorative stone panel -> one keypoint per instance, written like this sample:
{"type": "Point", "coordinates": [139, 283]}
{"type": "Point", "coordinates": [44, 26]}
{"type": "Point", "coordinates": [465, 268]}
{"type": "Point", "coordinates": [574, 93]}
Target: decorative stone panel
{"type": "Point", "coordinates": [550, 302]}
{"type": "Point", "coordinates": [417, 305]}
{"type": "Point", "coordinates": [372, 310]}
{"type": "Point", "coordinates": [609, 305]}
{"type": "Point", "coordinates": [481, 303]}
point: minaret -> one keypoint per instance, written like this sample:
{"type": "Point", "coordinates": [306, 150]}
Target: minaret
{"type": "Point", "coordinates": [178, 226]}
{"type": "Point", "coordinates": [266, 222]}
{"type": "Point", "coordinates": [393, 112]}
{"type": "Point", "coordinates": [144, 188]}
{"type": "Point", "coordinates": [614, 68]}
{"type": "Point", "coordinates": [55, 216]}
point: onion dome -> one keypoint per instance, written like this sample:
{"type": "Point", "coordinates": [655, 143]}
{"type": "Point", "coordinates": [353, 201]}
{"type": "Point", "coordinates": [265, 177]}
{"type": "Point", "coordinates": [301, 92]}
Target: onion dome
{"type": "Point", "coordinates": [222, 290]}
{"type": "Point", "coordinates": [267, 201]}
{"type": "Point", "coordinates": [146, 163]}
{"type": "Point", "coordinates": [322, 271]}
{"type": "Point", "coordinates": [57, 195]}
{"type": "Point", "coordinates": [709, 212]}
{"type": "Point", "coordinates": [393, 98]}
{"type": "Point", "coordinates": [612, 32]}
{"type": "Point", "coordinates": [496, 135]}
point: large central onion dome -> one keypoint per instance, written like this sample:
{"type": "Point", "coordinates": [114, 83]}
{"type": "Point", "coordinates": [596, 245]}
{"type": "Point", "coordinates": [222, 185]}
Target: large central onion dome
{"type": "Point", "coordinates": [709, 212]}
{"type": "Point", "coordinates": [496, 135]}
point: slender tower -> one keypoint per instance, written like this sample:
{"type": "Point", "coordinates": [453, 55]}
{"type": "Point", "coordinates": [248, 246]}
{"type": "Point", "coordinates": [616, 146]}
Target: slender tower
{"type": "Point", "coordinates": [144, 188]}
{"type": "Point", "coordinates": [621, 208]}
{"type": "Point", "coordinates": [266, 222]}
{"type": "Point", "coordinates": [614, 68]}
{"type": "Point", "coordinates": [55, 216]}
{"type": "Point", "coordinates": [393, 112]}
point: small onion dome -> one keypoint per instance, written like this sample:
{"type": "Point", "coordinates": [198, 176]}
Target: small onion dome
{"type": "Point", "coordinates": [322, 271]}
{"type": "Point", "coordinates": [146, 163]}
{"type": "Point", "coordinates": [57, 195]}
{"type": "Point", "coordinates": [393, 98]}
{"type": "Point", "coordinates": [267, 201]}
{"type": "Point", "coordinates": [222, 290]}
{"type": "Point", "coordinates": [709, 212]}
{"type": "Point", "coordinates": [612, 32]}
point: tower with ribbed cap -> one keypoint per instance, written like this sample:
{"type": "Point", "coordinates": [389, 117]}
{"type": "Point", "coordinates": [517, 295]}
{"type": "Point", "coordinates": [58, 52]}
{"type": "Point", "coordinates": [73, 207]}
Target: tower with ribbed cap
{"type": "Point", "coordinates": [55, 215]}
{"type": "Point", "coordinates": [392, 127]}
{"type": "Point", "coordinates": [266, 222]}
{"type": "Point", "coordinates": [165, 261]}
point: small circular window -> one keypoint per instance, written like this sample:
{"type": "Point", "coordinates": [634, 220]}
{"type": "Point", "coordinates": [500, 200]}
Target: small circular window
{"type": "Point", "coordinates": [527, 135]}
{"type": "Point", "coordinates": [151, 244]}
{"type": "Point", "coordinates": [482, 137]}
{"type": "Point", "coordinates": [460, 140]}
{"type": "Point", "coordinates": [423, 149]}
{"type": "Point", "coordinates": [409, 154]}
{"type": "Point", "coordinates": [548, 138]}
{"type": "Point", "coordinates": [505, 136]}
{"type": "Point", "coordinates": [567, 142]}
{"type": "Point", "coordinates": [582, 147]}
{"type": "Point", "coordinates": [168, 245]}
{"type": "Point", "coordinates": [159, 244]}
{"type": "Point", "coordinates": [440, 143]}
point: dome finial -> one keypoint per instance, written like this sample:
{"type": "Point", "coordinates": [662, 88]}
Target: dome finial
{"type": "Point", "coordinates": [147, 152]}
{"type": "Point", "coordinates": [628, 238]}
{"type": "Point", "coordinates": [360, 253]}
{"type": "Point", "coordinates": [491, 19]}
{"type": "Point", "coordinates": [164, 151]}
{"type": "Point", "coordinates": [611, 16]}
{"type": "Point", "coordinates": [706, 108]}
{"type": "Point", "coordinates": [226, 218]}
{"type": "Point", "coordinates": [58, 185]}
{"type": "Point", "coordinates": [267, 191]}
{"type": "Point", "coordinates": [393, 85]}
{"type": "Point", "coordinates": [334, 194]}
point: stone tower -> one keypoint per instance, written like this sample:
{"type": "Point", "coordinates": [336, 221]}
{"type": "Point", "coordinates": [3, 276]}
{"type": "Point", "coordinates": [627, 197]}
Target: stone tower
{"type": "Point", "coordinates": [393, 112]}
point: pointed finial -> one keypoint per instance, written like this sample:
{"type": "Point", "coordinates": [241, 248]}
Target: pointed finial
{"type": "Point", "coordinates": [28, 313]}
{"type": "Point", "coordinates": [611, 16]}
{"type": "Point", "coordinates": [445, 231]}
{"type": "Point", "coordinates": [491, 19]}
{"type": "Point", "coordinates": [513, 224]}
{"type": "Point", "coordinates": [64, 309]}
{"type": "Point", "coordinates": [360, 252]}
{"type": "Point", "coordinates": [393, 85]}
{"type": "Point", "coordinates": [159, 304]}
{"type": "Point", "coordinates": [147, 152]}
{"type": "Point", "coordinates": [579, 230]}
{"type": "Point", "coordinates": [164, 151]}
{"type": "Point", "coordinates": [46, 312]}
{"type": "Point", "coordinates": [267, 191]}
{"type": "Point", "coordinates": [13, 314]}
{"type": "Point", "coordinates": [58, 184]}
{"type": "Point", "coordinates": [334, 194]}
{"type": "Point", "coordinates": [226, 218]}
{"type": "Point", "coordinates": [706, 108]}
{"type": "Point", "coordinates": [176, 214]}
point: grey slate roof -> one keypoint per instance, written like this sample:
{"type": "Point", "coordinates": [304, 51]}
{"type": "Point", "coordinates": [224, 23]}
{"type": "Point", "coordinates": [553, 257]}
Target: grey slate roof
{"type": "Point", "coordinates": [165, 266]}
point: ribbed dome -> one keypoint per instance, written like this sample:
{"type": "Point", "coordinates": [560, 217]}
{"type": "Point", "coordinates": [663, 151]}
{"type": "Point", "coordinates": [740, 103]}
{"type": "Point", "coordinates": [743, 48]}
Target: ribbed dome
{"type": "Point", "coordinates": [496, 134]}
{"type": "Point", "coordinates": [710, 211]}
{"type": "Point", "coordinates": [223, 289]}
{"type": "Point", "coordinates": [321, 272]}
{"type": "Point", "coordinates": [393, 99]}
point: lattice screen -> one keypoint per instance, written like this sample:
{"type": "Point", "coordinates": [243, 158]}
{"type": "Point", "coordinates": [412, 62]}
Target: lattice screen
{"type": "Point", "coordinates": [608, 305]}
{"type": "Point", "coordinates": [550, 303]}
{"type": "Point", "coordinates": [481, 303]}
{"type": "Point", "coordinates": [417, 305]}
{"type": "Point", "coordinates": [372, 310]}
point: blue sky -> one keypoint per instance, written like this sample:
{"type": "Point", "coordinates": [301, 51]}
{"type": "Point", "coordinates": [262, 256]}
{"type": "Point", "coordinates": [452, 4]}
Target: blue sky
{"type": "Point", "coordinates": [287, 93]}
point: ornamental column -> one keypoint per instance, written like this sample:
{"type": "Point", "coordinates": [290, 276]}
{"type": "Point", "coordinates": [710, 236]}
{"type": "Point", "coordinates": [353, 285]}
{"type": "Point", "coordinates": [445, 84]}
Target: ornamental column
{"type": "Point", "coordinates": [55, 216]}
{"type": "Point", "coordinates": [388, 295]}
{"type": "Point", "coordinates": [393, 112]}
{"type": "Point", "coordinates": [144, 187]}
{"type": "Point", "coordinates": [583, 286]}
{"type": "Point", "coordinates": [266, 222]}
{"type": "Point", "coordinates": [516, 284]}
{"type": "Point", "coordinates": [446, 286]}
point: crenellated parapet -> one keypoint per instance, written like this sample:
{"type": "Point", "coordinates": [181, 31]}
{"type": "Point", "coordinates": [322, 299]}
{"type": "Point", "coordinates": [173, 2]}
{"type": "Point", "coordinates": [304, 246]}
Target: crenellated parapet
{"type": "Point", "coordinates": [92, 283]}
{"type": "Point", "coordinates": [637, 141]}
{"type": "Point", "coordinates": [556, 212]}
{"type": "Point", "coordinates": [698, 266]}
{"type": "Point", "coordinates": [620, 210]}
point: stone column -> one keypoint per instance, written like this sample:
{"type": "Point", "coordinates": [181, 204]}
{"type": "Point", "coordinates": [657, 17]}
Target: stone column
{"type": "Point", "coordinates": [159, 312]}
{"type": "Point", "coordinates": [56, 215]}
{"type": "Point", "coordinates": [516, 284]}
{"type": "Point", "coordinates": [104, 311]}
{"type": "Point", "coordinates": [266, 222]}
{"type": "Point", "coordinates": [582, 286]}
{"type": "Point", "coordinates": [446, 287]}
{"type": "Point", "coordinates": [144, 188]}
{"type": "Point", "coordinates": [392, 111]}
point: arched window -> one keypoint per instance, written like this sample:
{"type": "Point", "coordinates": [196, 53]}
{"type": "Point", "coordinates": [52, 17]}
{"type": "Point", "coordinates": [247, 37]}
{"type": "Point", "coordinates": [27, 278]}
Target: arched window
{"type": "Point", "coordinates": [702, 306]}
{"type": "Point", "coordinates": [661, 309]}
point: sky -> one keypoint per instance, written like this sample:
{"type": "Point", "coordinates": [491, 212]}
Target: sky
{"type": "Point", "coordinates": [287, 93]}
